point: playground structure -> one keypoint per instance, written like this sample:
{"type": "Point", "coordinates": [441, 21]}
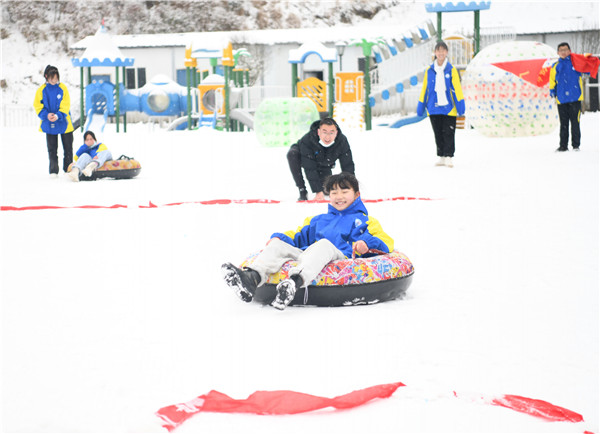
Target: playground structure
{"type": "Point", "coordinates": [100, 99]}
{"type": "Point", "coordinates": [221, 99]}
{"type": "Point", "coordinates": [102, 52]}
{"type": "Point", "coordinates": [211, 98]}
{"type": "Point", "coordinates": [159, 97]}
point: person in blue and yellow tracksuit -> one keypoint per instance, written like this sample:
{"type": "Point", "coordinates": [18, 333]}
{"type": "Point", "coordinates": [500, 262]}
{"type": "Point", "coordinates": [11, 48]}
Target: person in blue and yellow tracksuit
{"type": "Point", "coordinates": [89, 157]}
{"type": "Point", "coordinates": [566, 86]}
{"type": "Point", "coordinates": [345, 229]}
{"type": "Point", "coordinates": [52, 105]}
{"type": "Point", "coordinates": [442, 98]}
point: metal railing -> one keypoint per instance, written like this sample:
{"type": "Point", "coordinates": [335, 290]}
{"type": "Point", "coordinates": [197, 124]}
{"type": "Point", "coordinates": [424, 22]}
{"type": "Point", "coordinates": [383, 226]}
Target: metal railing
{"type": "Point", "coordinates": [20, 115]}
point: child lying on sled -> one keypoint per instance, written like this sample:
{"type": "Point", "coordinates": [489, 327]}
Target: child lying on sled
{"type": "Point", "coordinates": [344, 229]}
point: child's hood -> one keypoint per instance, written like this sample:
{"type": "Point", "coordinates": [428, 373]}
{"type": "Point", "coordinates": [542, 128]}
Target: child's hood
{"type": "Point", "coordinates": [355, 207]}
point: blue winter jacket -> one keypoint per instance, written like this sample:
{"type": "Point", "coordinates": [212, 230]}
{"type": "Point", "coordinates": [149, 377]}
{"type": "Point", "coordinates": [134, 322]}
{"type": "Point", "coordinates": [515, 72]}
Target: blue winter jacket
{"type": "Point", "coordinates": [342, 228]}
{"type": "Point", "coordinates": [454, 94]}
{"type": "Point", "coordinates": [53, 98]}
{"type": "Point", "coordinates": [93, 151]}
{"type": "Point", "coordinates": [566, 84]}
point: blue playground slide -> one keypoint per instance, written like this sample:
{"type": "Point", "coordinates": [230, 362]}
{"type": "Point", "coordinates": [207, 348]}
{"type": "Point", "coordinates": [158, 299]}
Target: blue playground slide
{"type": "Point", "coordinates": [407, 121]}
{"type": "Point", "coordinates": [95, 121]}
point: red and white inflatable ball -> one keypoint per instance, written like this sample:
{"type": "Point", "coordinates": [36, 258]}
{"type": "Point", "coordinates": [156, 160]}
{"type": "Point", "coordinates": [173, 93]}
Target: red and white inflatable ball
{"type": "Point", "coordinates": [506, 90]}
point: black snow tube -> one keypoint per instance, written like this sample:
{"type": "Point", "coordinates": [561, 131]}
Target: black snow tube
{"type": "Point", "coordinates": [348, 282]}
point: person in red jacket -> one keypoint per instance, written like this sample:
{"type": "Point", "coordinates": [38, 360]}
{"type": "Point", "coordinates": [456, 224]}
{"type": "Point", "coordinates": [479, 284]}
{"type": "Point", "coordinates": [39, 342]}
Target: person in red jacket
{"type": "Point", "coordinates": [347, 227]}
{"type": "Point", "coordinates": [52, 104]}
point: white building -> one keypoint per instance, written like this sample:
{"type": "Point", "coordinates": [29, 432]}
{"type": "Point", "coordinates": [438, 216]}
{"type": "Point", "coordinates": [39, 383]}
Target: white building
{"type": "Point", "coordinates": [551, 23]}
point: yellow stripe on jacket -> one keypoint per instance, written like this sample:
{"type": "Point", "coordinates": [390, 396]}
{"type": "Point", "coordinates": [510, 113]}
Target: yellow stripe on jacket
{"type": "Point", "coordinates": [375, 229]}
{"type": "Point", "coordinates": [292, 233]}
{"type": "Point", "coordinates": [101, 148]}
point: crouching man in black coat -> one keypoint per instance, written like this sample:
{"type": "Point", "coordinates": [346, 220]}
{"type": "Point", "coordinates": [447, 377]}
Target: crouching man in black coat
{"type": "Point", "coordinates": [316, 152]}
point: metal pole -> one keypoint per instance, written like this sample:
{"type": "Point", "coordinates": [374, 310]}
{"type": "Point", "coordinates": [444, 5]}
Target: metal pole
{"type": "Point", "coordinates": [367, 92]}
{"type": "Point", "coordinates": [294, 80]}
{"type": "Point", "coordinates": [189, 97]}
{"type": "Point", "coordinates": [476, 33]}
{"type": "Point", "coordinates": [118, 99]}
{"type": "Point", "coordinates": [81, 104]}
{"type": "Point", "coordinates": [226, 74]}
{"type": "Point", "coordinates": [330, 90]}
{"type": "Point", "coordinates": [124, 112]}
{"type": "Point", "coordinates": [439, 25]}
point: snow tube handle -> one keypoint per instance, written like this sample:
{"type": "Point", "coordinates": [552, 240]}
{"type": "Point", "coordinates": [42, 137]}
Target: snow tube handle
{"type": "Point", "coordinates": [377, 252]}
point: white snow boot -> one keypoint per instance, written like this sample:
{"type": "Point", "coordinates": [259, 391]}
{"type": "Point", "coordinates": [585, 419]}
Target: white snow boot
{"type": "Point", "coordinates": [74, 174]}
{"type": "Point", "coordinates": [89, 169]}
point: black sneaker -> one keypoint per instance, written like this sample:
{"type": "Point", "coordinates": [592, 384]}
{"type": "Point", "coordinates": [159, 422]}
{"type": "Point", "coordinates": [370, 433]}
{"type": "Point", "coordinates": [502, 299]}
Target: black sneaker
{"type": "Point", "coordinates": [561, 149]}
{"type": "Point", "coordinates": [576, 149]}
{"type": "Point", "coordinates": [243, 282]}
{"type": "Point", "coordinates": [286, 290]}
{"type": "Point", "coordinates": [303, 194]}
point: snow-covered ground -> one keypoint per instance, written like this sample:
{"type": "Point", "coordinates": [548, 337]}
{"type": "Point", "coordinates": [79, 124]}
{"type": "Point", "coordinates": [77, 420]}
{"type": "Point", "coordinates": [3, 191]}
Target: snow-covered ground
{"type": "Point", "coordinates": [110, 314]}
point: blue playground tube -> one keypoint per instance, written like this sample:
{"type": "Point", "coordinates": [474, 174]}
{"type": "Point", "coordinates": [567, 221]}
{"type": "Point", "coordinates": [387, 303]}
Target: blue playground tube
{"type": "Point", "coordinates": [407, 121]}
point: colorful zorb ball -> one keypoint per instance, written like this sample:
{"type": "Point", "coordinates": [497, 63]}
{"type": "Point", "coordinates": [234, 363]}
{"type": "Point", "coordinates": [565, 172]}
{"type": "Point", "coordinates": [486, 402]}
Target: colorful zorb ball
{"type": "Point", "coordinates": [508, 104]}
{"type": "Point", "coordinates": [282, 121]}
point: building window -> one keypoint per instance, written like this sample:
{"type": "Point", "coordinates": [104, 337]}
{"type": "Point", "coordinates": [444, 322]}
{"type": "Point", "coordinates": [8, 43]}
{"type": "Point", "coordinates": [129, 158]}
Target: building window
{"type": "Point", "coordinates": [141, 77]}
{"type": "Point", "coordinates": [135, 78]}
{"type": "Point", "coordinates": [130, 78]}
{"type": "Point", "coordinates": [316, 74]}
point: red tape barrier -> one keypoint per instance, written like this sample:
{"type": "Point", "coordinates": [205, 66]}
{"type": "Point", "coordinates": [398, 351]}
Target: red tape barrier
{"type": "Point", "coordinates": [202, 202]}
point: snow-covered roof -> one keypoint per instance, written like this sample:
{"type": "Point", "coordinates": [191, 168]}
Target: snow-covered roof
{"type": "Point", "coordinates": [258, 37]}
{"type": "Point", "coordinates": [102, 51]}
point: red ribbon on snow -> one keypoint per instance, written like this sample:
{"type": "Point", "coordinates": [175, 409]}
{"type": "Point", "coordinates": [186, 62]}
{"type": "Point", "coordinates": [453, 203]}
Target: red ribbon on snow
{"type": "Point", "coordinates": [269, 402]}
{"type": "Point", "coordinates": [537, 408]}
{"type": "Point", "coordinates": [288, 402]}
{"type": "Point", "coordinates": [202, 202]}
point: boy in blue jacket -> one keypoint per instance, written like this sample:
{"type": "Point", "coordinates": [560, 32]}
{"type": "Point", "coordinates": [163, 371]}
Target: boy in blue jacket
{"type": "Point", "coordinates": [567, 87]}
{"type": "Point", "coordinates": [344, 229]}
{"type": "Point", "coordinates": [89, 156]}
